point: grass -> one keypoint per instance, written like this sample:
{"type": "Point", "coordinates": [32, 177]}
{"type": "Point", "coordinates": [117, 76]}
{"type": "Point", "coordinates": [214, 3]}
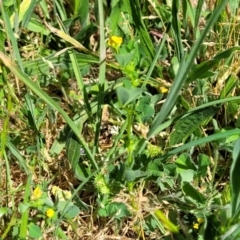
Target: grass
{"type": "Point", "coordinates": [119, 120]}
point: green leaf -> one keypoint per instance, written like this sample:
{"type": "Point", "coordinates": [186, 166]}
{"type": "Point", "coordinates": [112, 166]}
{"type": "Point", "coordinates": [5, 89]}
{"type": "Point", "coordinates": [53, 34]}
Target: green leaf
{"type": "Point", "coordinates": [18, 156]}
{"type": "Point", "coordinates": [191, 192]}
{"type": "Point", "coordinates": [145, 108]}
{"type": "Point", "coordinates": [232, 233]}
{"type": "Point", "coordinates": [74, 149]}
{"type": "Point", "coordinates": [235, 180]}
{"type": "Point", "coordinates": [72, 212]}
{"type": "Point", "coordinates": [228, 87]}
{"type": "Point", "coordinates": [61, 234]}
{"type": "Point", "coordinates": [184, 162]}
{"type": "Point", "coordinates": [68, 209]}
{"type": "Point", "coordinates": [134, 10]}
{"type": "Point", "coordinates": [117, 210]}
{"type": "Point", "coordinates": [35, 26]}
{"type": "Point", "coordinates": [125, 58]}
{"type": "Point", "coordinates": [81, 9]}
{"type": "Point", "coordinates": [187, 175]}
{"type": "Point", "coordinates": [203, 163]}
{"type": "Point", "coordinates": [25, 209]}
{"type": "Point", "coordinates": [3, 210]}
{"type": "Point", "coordinates": [34, 230]}
{"type": "Point", "coordinates": [176, 30]}
{"type": "Point", "coordinates": [131, 175]}
{"type": "Point", "coordinates": [200, 70]}
{"type": "Point", "coordinates": [186, 126]}
{"type": "Point", "coordinates": [114, 19]}
{"type": "Point", "coordinates": [126, 96]}
{"type": "Point", "coordinates": [153, 169]}
{"type": "Point", "coordinates": [199, 141]}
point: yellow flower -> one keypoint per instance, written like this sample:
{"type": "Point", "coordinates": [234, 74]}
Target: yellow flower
{"type": "Point", "coordinates": [196, 226]}
{"type": "Point", "coordinates": [50, 213]}
{"type": "Point", "coordinates": [163, 89]}
{"type": "Point", "coordinates": [37, 193]}
{"type": "Point", "coordinates": [115, 42]}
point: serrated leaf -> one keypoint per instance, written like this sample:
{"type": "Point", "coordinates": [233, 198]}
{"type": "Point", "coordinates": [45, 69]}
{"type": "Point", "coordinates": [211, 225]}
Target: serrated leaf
{"type": "Point", "coordinates": [186, 126]}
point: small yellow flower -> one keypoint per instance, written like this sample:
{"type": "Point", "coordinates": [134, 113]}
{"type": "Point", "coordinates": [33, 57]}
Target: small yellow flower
{"type": "Point", "coordinates": [37, 193]}
{"type": "Point", "coordinates": [50, 213]}
{"type": "Point", "coordinates": [196, 226]}
{"type": "Point", "coordinates": [163, 89]}
{"type": "Point", "coordinates": [115, 42]}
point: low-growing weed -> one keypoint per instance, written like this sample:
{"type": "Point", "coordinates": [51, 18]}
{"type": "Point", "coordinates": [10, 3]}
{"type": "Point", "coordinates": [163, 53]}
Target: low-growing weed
{"type": "Point", "coordinates": [119, 120]}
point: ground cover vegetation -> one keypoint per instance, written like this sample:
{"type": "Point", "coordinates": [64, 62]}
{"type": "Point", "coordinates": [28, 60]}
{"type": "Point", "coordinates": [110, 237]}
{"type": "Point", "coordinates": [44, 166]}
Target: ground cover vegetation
{"type": "Point", "coordinates": [119, 119]}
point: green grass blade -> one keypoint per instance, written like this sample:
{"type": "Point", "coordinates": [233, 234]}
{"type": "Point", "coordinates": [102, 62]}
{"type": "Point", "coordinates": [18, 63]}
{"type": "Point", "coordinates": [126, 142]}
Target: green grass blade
{"type": "Point", "coordinates": [81, 8]}
{"type": "Point", "coordinates": [231, 82]}
{"type": "Point", "coordinates": [18, 156]}
{"type": "Point", "coordinates": [198, 14]}
{"type": "Point", "coordinates": [11, 36]}
{"type": "Point", "coordinates": [200, 141]}
{"type": "Point", "coordinates": [102, 72]}
{"type": "Point", "coordinates": [135, 12]}
{"type": "Point", "coordinates": [24, 218]}
{"type": "Point", "coordinates": [81, 84]}
{"type": "Point", "coordinates": [176, 30]}
{"type": "Point", "coordinates": [38, 91]}
{"type": "Point", "coordinates": [27, 16]}
{"type": "Point", "coordinates": [160, 48]}
{"type": "Point", "coordinates": [61, 10]}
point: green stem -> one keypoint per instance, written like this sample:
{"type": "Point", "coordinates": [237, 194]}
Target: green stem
{"type": "Point", "coordinates": [129, 135]}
